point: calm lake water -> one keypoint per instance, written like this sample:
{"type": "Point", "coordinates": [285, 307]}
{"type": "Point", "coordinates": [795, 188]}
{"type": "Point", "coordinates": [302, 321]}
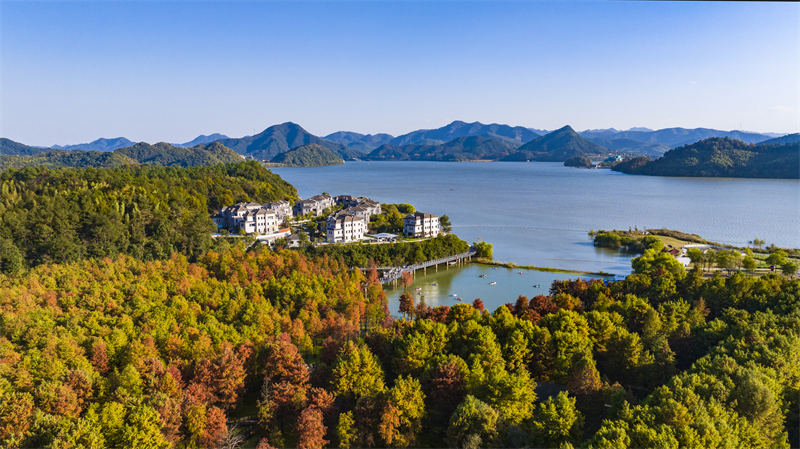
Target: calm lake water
{"type": "Point", "coordinates": [538, 213]}
{"type": "Point", "coordinates": [467, 284]}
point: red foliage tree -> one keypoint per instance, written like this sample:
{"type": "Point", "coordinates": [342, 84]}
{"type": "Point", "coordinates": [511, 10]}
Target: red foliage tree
{"type": "Point", "coordinates": [100, 357]}
{"type": "Point", "coordinates": [406, 279]}
{"type": "Point", "coordinates": [310, 429]}
{"type": "Point", "coordinates": [264, 444]}
{"type": "Point", "coordinates": [407, 304]}
{"type": "Point", "coordinates": [447, 389]}
{"type": "Point", "coordinates": [478, 304]}
{"type": "Point", "coordinates": [215, 429]}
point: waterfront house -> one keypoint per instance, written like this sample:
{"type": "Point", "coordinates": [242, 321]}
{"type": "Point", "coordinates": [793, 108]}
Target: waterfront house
{"type": "Point", "coordinates": [344, 228]}
{"type": "Point", "coordinates": [282, 209]}
{"type": "Point", "coordinates": [315, 205]}
{"type": "Point", "coordinates": [420, 224]}
{"type": "Point", "coordinates": [251, 217]}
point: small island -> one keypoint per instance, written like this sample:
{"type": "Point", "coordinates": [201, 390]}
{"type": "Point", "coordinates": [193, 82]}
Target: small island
{"type": "Point", "coordinates": [311, 155]}
{"type": "Point", "coordinates": [578, 161]}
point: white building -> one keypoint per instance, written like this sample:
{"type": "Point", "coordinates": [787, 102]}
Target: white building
{"type": "Point", "coordinates": [253, 218]}
{"type": "Point", "coordinates": [420, 224]}
{"type": "Point", "coordinates": [360, 206]}
{"type": "Point", "coordinates": [316, 205]}
{"type": "Point", "coordinates": [282, 209]}
{"type": "Point", "coordinates": [345, 228]}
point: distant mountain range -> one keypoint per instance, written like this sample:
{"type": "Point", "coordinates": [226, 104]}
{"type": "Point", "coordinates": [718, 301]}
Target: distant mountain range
{"type": "Point", "coordinates": [140, 153]}
{"type": "Point", "coordinates": [360, 142]}
{"type": "Point", "coordinates": [450, 142]}
{"type": "Point", "coordinates": [282, 138]}
{"type": "Point", "coordinates": [462, 129]}
{"type": "Point", "coordinates": [201, 139]}
{"type": "Point", "coordinates": [558, 146]}
{"type": "Point", "coordinates": [459, 149]}
{"type": "Point", "coordinates": [97, 145]}
{"type": "Point", "coordinates": [675, 137]}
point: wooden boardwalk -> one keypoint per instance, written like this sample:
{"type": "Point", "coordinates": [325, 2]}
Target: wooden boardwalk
{"type": "Point", "coordinates": [396, 273]}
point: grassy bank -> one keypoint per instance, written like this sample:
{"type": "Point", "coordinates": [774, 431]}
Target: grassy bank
{"type": "Point", "coordinates": [512, 265]}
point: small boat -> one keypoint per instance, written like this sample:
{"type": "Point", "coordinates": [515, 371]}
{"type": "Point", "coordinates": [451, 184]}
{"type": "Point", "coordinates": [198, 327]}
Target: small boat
{"type": "Point", "coordinates": [434, 284]}
{"type": "Point", "coordinates": [419, 293]}
{"type": "Point", "coordinates": [418, 288]}
{"type": "Point", "coordinates": [454, 295]}
{"type": "Point", "coordinates": [482, 276]}
{"type": "Point", "coordinates": [492, 283]}
{"type": "Point", "coordinates": [458, 299]}
{"type": "Point", "coordinates": [495, 268]}
{"type": "Point", "coordinates": [520, 272]}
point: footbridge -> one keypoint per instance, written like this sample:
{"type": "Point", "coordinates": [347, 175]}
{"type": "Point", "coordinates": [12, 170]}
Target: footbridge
{"type": "Point", "coordinates": [394, 273]}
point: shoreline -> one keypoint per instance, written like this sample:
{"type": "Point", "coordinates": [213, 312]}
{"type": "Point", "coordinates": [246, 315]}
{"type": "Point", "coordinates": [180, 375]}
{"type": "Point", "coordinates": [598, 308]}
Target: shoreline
{"type": "Point", "coordinates": [512, 265]}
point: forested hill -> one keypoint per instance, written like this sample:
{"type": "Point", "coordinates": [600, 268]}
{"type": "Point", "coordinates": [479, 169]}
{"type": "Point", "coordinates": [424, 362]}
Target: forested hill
{"type": "Point", "coordinates": [148, 212]}
{"type": "Point", "coordinates": [462, 129]}
{"type": "Point", "coordinates": [459, 149]}
{"type": "Point", "coordinates": [789, 138]}
{"type": "Point", "coordinates": [311, 155]}
{"type": "Point", "coordinates": [10, 148]}
{"type": "Point", "coordinates": [558, 146]}
{"type": "Point", "coordinates": [123, 353]}
{"type": "Point", "coordinates": [722, 157]}
{"type": "Point", "coordinates": [282, 138]}
{"type": "Point", "coordinates": [141, 153]}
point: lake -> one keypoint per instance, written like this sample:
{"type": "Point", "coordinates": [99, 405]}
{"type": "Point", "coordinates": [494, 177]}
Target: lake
{"type": "Point", "coordinates": [538, 213]}
{"type": "Point", "coordinates": [465, 282]}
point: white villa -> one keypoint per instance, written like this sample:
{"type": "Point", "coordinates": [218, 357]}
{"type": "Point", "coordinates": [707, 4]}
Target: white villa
{"type": "Point", "coordinates": [282, 209]}
{"type": "Point", "coordinates": [345, 227]}
{"type": "Point", "coordinates": [316, 205]}
{"type": "Point", "coordinates": [420, 224]}
{"type": "Point", "coordinates": [253, 218]}
{"type": "Point", "coordinates": [361, 206]}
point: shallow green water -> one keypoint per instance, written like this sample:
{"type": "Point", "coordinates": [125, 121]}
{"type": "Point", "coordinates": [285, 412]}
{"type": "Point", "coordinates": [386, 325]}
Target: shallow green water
{"type": "Point", "coordinates": [466, 283]}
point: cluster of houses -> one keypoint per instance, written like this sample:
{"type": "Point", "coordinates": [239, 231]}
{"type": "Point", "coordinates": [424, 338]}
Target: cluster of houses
{"type": "Point", "coordinates": [349, 224]}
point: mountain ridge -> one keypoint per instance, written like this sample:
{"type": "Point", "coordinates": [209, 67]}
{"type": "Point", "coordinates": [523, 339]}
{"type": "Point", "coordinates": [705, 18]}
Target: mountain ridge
{"type": "Point", "coordinates": [281, 138]}
{"type": "Point", "coordinates": [463, 129]}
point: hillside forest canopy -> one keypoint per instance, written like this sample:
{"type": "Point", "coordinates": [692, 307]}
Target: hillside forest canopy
{"type": "Point", "coordinates": [214, 346]}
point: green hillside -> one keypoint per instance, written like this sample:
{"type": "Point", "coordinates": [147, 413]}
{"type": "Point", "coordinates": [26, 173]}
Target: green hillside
{"type": "Point", "coordinates": [578, 161]}
{"type": "Point", "coordinates": [311, 155]}
{"type": "Point", "coordinates": [165, 154]}
{"type": "Point", "coordinates": [462, 129]}
{"type": "Point", "coordinates": [631, 146]}
{"type": "Point", "coordinates": [460, 149]}
{"type": "Point", "coordinates": [10, 148]}
{"type": "Point", "coordinates": [722, 157]}
{"type": "Point", "coordinates": [141, 153]}
{"type": "Point", "coordinates": [558, 146]}
{"type": "Point", "coordinates": [789, 138]}
{"type": "Point", "coordinates": [282, 138]}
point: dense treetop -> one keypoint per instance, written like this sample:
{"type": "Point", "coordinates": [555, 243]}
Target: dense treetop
{"type": "Point", "coordinates": [149, 212]}
{"type": "Point", "coordinates": [722, 157]}
{"type": "Point", "coordinates": [140, 153]}
{"type": "Point", "coordinates": [167, 350]}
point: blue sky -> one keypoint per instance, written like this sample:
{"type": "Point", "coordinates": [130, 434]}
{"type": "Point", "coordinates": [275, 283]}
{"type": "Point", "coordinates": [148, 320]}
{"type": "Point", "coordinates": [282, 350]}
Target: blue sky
{"type": "Point", "coordinates": [169, 71]}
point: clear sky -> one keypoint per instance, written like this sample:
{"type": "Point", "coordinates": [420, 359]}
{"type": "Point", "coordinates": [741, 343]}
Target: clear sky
{"type": "Point", "coordinates": [168, 71]}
